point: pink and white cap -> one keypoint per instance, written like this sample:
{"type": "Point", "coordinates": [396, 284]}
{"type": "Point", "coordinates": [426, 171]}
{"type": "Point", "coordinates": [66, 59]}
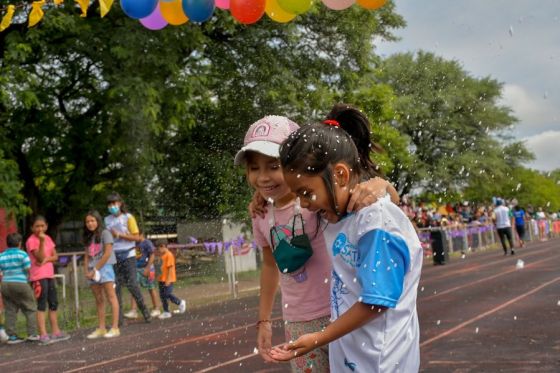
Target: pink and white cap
{"type": "Point", "coordinates": [265, 136]}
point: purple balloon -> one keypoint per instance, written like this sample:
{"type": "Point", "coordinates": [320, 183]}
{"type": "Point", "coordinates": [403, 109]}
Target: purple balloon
{"type": "Point", "coordinates": [154, 21]}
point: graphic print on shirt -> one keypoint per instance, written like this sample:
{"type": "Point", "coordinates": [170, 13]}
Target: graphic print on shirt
{"type": "Point", "coordinates": [347, 251]}
{"type": "Point", "coordinates": [338, 289]}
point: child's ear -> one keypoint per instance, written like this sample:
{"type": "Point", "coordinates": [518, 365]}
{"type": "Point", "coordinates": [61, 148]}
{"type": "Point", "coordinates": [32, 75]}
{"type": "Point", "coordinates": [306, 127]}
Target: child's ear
{"type": "Point", "coordinates": [342, 174]}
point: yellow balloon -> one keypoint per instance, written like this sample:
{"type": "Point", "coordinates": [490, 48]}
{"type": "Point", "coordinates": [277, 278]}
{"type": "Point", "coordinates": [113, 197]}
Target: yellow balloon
{"type": "Point", "coordinates": [276, 13]}
{"type": "Point", "coordinates": [172, 12]}
{"type": "Point", "coordinates": [371, 4]}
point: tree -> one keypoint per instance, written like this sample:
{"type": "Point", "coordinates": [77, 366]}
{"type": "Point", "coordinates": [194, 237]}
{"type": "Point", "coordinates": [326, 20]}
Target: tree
{"type": "Point", "coordinates": [454, 123]}
{"type": "Point", "coordinates": [91, 105]}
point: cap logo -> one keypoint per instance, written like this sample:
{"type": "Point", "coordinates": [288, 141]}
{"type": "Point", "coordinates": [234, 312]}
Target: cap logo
{"type": "Point", "coordinates": [261, 130]}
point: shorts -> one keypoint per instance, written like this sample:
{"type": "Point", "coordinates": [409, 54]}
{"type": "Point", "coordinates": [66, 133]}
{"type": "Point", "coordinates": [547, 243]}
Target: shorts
{"type": "Point", "coordinates": [316, 360]}
{"type": "Point", "coordinates": [146, 282]}
{"type": "Point", "coordinates": [45, 291]}
{"type": "Point", "coordinates": [107, 275]}
{"type": "Point", "coordinates": [520, 231]}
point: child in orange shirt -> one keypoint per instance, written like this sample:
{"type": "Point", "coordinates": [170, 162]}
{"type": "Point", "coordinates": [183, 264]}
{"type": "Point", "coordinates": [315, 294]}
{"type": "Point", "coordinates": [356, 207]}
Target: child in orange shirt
{"type": "Point", "coordinates": [165, 267]}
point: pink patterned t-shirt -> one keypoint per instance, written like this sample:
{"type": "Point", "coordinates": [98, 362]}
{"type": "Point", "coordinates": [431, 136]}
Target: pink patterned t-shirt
{"type": "Point", "coordinates": [305, 296]}
{"type": "Point", "coordinates": [40, 271]}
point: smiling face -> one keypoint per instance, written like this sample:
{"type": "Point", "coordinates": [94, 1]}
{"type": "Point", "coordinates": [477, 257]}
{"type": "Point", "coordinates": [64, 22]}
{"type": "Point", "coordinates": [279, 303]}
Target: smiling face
{"type": "Point", "coordinates": [265, 175]}
{"type": "Point", "coordinates": [316, 197]}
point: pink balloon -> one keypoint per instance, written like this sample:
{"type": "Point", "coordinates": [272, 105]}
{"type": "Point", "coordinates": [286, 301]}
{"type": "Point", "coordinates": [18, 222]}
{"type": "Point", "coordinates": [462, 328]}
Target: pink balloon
{"type": "Point", "coordinates": [154, 21]}
{"type": "Point", "coordinates": [222, 4]}
{"type": "Point", "coordinates": [338, 4]}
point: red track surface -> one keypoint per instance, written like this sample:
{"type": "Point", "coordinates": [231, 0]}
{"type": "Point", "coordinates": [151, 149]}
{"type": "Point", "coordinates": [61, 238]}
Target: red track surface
{"type": "Point", "coordinates": [478, 314]}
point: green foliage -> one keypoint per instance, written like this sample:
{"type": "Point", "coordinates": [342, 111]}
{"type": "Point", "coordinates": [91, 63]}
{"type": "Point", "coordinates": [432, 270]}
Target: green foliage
{"type": "Point", "coordinates": [11, 198]}
{"type": "Point", "coordinates": [453, 121]}
{"type": "Point", "coordinates": [93, 105]}
{"type": "Point", "coordinates": [529, 187]}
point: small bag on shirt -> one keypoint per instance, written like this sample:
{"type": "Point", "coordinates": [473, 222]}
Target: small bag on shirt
{"type": "Point", "coordinates": [122, 255]}
{"type": "Point", "coordinates": [291, 256]}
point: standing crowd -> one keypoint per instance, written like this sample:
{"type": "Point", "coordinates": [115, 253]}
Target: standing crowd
{"type": "Point", "coordinates": [116, 255]}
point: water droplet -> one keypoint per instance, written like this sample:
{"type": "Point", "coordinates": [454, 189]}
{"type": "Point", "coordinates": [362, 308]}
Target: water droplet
{"type": "Point", "coordinates": [438, 322]}
{"type": "Point", "coordinates": [286, 305]}
{"type": "Point", "coordinates": [326, 280]}
{"type": "Point", "coordinates": [476, 330]}
{"type": "Point", "coordinates": [422, 289]}
{"type": "Point", "coordinates": [255, 350]}
{"type": "Point", "coordinates": [515, 317]}
{"type": "Point", "coordinates": [354, 280]}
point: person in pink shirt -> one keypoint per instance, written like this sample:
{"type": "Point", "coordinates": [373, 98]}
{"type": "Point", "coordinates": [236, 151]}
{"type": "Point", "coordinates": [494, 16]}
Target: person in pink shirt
{"type": "Point", "coordinates": [286, 228]}
{"type": "Point", "coordinates": [42, 252]}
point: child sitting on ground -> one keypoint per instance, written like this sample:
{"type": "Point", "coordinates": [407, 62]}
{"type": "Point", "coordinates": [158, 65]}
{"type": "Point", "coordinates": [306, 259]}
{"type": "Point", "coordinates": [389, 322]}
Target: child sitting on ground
{"type": "Point", "coordinates": [16, 292]}
{"type": "Point", "coordinates": [165, 266]}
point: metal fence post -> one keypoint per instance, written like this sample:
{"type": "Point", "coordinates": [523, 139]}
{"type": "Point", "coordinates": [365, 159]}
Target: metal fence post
{"type": "Point", "coordinates": [76, 291]}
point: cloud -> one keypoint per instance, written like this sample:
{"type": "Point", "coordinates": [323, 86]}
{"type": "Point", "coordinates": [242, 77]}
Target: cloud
{"type": "Point", "coordinates": [535, 112]}
{"type": "Point", "coordinates": [545, 147]}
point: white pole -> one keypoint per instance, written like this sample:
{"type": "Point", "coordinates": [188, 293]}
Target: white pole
{"type": "Point", "coordinates": [76, 292]}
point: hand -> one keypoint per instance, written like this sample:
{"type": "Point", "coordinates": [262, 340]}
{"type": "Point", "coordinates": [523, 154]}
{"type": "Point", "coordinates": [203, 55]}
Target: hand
{"type": "Point", "coordinates": [115, 233]}
{"type": "Point", "coordinates": [264, 341]}
{"type": "Point", "coordinates": [90, 274]}
{"type": "Point", "coordinates": [46, 260]}
{"type": "Point", "coordinates": [167, 283]}
{"type": "Point", "coordinates": [42, 236]}
{"type": "Point", "coordinates": [147, 271]}
{"type": "Point", "coordinates": [301, 346]}
{"type": "Point", "coordinates": [257, 206]}
{"type": "Point", "coordinates": [367, 193]}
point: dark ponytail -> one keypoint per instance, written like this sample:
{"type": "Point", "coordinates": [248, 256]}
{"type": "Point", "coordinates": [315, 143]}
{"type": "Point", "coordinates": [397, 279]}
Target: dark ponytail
{"type": "Point", "coordinates": [314, 148]}
{"type": "Point", "coordinates": [357, 125]}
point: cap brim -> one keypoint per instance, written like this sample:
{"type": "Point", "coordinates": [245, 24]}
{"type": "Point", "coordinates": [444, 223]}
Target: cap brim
{"type": "Point", "coordinates": [263, 147]}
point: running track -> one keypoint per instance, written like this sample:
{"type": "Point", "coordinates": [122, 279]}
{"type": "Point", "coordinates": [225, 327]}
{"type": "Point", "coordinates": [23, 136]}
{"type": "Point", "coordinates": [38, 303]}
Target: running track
{"type": "Point", "coordinates": [478, 314]}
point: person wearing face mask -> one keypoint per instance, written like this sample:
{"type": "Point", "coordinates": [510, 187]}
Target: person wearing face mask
{"type": "Point", "coordinates": [124, 229]}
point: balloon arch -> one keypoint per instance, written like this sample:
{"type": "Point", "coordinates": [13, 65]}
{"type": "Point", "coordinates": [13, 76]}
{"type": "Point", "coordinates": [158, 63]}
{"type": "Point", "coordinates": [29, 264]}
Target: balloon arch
{"type": "Point", "coordinates": [157, 14]}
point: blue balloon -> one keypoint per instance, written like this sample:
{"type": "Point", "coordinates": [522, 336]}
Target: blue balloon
{"type": "Point", "coordinates": [198, 10]}
{"type": "Point", "coordinates": [138, 8]}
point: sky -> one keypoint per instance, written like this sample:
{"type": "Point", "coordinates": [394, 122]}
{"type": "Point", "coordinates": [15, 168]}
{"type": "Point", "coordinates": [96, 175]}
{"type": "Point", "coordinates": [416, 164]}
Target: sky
{"type": "Point", "coordinates": [516, 42]}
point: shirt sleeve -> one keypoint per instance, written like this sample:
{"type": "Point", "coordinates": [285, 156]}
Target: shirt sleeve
{"type": "Point", "coordinates": [26, 261]}
{"type": "Point", "coordinates": [106, 237]}
{"type": "Point", "coordinates": [132, 225]}
{"type": "Point", "coordinates": [260, 238]}
{"type": "Point", "coordinates": [383, 263]}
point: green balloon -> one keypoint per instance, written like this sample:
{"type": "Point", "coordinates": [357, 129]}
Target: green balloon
{"type": "Point", "coordinates": [295, 6]}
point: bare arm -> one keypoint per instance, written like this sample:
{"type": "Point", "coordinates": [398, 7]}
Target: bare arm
{"type": "Point", "coordinates": [269, 286]}
{"type": "Point", "coordinates": [357, 316]}
{"type": "Point", "coordinates": [368, 192]}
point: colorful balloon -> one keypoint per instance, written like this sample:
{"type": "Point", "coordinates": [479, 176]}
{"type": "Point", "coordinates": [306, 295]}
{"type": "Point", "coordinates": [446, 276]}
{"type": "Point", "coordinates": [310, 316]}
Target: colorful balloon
{"type": "Point", "coordinates": [138, 8]}
{"type": "Point", "coordinates": [222, 4]}
{"type": "Point", "coordinates": [154, 21]}
{"type": "Point", "coordinates": [371, 4]}
{"type": "Point", "coordinates": [338, 4]}
{"type": "Point", "coordinates": [172, 12]}
{"type": "Point", "coordinates": [276, 13]}
{"type": "Point", "coordinates": [198, 10]}
{"type": "Point", "coordinates": [295, 6]}
{"type": "Point", "coordinates": [247, 11]}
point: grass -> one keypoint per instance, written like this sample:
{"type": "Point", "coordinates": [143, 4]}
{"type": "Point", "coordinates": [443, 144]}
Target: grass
{"type": "Point", "coordinates": [88, 312]}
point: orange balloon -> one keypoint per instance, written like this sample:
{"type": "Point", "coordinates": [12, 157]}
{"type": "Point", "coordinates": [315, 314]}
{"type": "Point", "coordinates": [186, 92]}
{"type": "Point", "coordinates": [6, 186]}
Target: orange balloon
{"type": "Point", "coordinates": [371, 4]}
{"type": "Point", "coordinates": [172, 12]}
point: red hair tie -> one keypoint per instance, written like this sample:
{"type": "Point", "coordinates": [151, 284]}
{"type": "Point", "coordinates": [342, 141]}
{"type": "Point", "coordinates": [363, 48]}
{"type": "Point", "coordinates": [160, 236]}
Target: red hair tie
{"type": "Point", "coordinates": [332, 122]}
